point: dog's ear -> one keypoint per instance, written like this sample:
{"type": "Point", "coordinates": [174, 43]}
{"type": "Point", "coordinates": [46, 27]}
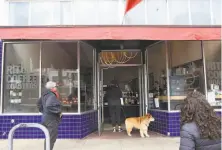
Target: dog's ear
{"type": "Point", "coordinates": [148, 116]}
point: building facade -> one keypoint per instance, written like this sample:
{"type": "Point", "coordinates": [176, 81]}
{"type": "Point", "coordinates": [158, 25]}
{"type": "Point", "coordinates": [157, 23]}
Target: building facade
{"type": "Point", "coordinates": [30, 30]}
{"type": "Point", "coordinates": [109, 12]}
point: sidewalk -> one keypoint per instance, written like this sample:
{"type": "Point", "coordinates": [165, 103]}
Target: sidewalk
{"type": "Point", "coordinates": [105, 142]}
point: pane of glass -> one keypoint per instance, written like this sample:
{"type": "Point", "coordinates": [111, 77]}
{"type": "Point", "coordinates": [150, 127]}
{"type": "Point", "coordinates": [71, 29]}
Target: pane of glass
{"type": "Point", "coordinates": [178, 15]}
{"type": "Point", "coordinates": [21, 78]}
{"type": "Point", "coordinates": [157, 76]}
{"type": "Point", "coordinates": [62, 14]}
{"type": "Point", "coordinates": [212, 50]}
{"type": "Point", "coordinates": [217, 11]}
{"type": "Point", "coordinates": [156, 12]}
{"type": "Point", "coordinates": [109, 12]}
{"type": "Point", "coordinates": [135, 16]}
{"type": "Point", "coordinates": [186, 70]}
{"type": "Point", "coordinates": [59, 64]}
{"type": "Point", "coordinates": [200, 12]}
{"type": "Point", "coordinates": [18, 13]}
{"type": "Point", "coordinates": [86, 77]}
{"type": "Point", "coordinates": [42, 13]}
{"type": "Point", "coordinates": [85, 12]}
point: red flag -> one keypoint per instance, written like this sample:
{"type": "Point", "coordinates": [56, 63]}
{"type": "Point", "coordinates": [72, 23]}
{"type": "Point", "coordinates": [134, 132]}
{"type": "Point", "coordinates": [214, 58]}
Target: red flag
{"type": "Point", "coordinates": [130, 4]}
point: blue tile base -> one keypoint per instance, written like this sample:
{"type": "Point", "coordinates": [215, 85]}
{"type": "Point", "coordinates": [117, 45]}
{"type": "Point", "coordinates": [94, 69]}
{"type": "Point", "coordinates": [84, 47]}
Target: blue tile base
{"type": "Point", "coordinates": [71, 126]}
{"type": "Point", "coordinates": [167, 123]}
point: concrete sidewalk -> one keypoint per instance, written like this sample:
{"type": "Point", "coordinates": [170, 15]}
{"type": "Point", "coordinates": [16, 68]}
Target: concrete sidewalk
{"type": "Point", "coordinates": [108, 141]}
{"type": "Point", "coordinates": [157, 143]}
{"type": "Point", "coordinates": [99, 144]}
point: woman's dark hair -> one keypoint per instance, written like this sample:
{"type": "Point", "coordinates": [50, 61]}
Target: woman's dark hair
{"type": "Point", "coordinates": [197, 109]}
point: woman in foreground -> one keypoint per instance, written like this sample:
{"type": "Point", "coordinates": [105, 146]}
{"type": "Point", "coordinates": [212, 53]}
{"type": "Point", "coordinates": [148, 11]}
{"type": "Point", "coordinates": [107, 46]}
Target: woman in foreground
{"type": "Point", "coordinates": [200, 126]}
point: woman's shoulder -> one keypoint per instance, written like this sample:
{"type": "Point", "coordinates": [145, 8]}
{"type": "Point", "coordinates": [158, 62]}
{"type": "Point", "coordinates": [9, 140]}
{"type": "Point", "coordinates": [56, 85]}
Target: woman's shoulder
{"type": "Point", "coordinates": [191, 128]}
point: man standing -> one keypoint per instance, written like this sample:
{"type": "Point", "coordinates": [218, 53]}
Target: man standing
{"type": "Point", "coordinates": [50, 106]}
{"type": "Point", "coordinates": [113, 95]}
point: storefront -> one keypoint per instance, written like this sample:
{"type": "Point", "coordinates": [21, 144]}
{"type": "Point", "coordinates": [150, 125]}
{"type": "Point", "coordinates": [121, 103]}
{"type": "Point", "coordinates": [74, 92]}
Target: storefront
{"type": "Point", "coordinates": [183, 59]}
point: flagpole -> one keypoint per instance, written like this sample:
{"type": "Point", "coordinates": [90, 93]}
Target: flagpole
{"type": "Point", "coordinates": [123, 19]}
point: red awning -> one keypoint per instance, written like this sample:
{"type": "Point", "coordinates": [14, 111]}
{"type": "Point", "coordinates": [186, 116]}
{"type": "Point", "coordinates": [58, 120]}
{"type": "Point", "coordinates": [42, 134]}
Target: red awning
{"type": "Point", "coordinates": [111, 32]}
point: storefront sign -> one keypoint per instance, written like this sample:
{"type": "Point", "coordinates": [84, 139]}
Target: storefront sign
{"type": "Point", "coordinates": [18, 78]}
{"type": "Point", "coordinates": [213, 70]}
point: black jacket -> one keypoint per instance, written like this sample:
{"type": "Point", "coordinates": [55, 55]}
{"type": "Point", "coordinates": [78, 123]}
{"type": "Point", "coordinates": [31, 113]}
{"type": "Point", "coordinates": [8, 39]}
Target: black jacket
{"type": "Point", "coordinates": [49, 105]}
{"type": "Point", "coordinates": [190, 139]}
{"type": "Point", "coordinates": [113, 95]}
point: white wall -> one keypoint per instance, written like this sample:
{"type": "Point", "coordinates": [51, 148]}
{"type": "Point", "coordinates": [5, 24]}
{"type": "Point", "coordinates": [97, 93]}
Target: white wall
{"type": "Point", "coordinates": [3, 13]}
{"type": "Point", "coordinates": [149, 12]}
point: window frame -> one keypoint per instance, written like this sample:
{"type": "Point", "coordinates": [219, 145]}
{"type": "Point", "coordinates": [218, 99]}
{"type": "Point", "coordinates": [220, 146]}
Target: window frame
{"type": "Point", "coordinates": [40, 72]}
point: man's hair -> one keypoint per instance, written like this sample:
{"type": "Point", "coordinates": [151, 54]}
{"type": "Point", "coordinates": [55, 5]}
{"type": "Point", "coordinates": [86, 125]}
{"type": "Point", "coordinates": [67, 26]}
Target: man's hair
{"type": "Point", "coordinates": [49, 85]}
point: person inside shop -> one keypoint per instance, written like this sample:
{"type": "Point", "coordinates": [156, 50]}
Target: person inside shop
{"type": "Point", "coordinates": [113, 96]}
{"type": "Point", "coordinates": [200, 125]}
{"type": "Point", "coordinates": [50, 107]}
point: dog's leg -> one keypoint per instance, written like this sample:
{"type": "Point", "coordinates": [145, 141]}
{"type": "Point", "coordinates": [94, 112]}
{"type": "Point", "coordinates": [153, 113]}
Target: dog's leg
{"type": "Point", "coordinates": [146, 133]}
{"type": "Point", "coordinates": [141, 133]}
{"type": "Point", "coordinates": [129, 130]}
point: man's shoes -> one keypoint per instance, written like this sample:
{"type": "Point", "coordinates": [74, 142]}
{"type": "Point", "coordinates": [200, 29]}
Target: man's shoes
{"type": "Point", "coordinates": [120, 129]}
{"type": "Point", "coordinates": [114, 129]}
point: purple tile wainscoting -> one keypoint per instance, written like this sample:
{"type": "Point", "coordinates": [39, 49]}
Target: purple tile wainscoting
{"type": "Point", "coordinates": [167, 123]}
{"type": "Point", "coordinates": [0, 58]}
{"type": "Point", "coordinates": [71, 127]}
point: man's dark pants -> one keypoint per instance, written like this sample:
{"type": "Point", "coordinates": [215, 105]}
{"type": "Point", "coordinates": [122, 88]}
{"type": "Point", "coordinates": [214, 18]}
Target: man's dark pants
{"type": "Point", "coordinates": [115, 111]}
{"type": "Point", "coordinates": [52, 126]}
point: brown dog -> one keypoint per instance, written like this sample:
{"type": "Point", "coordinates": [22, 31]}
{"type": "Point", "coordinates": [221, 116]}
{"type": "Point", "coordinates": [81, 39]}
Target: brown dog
{"type": "Point", "coordinates": [141, 123]}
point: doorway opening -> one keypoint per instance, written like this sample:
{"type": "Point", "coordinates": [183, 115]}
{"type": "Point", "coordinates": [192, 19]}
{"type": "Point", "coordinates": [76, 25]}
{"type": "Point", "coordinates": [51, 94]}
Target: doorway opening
{"type": "Point", "coordinates": [127, 64]}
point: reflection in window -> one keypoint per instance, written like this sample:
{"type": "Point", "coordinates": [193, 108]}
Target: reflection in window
{"type": "Point", "coordinates": [86, 77]}
{"type": "Point", "coordinates": [212, 51]}
{"type": "Point", "coordinates": [186, 70]}
{"type": "Point", "coordinates": [59, 64]}
{"type": "Point", "coordinates": [21, 78]}
{"type": "Point", "coordinates": [18, 13]}
{"type": "Point", "coordinates": [157, 76]}
{"type": "Point", "coordinates": [85, 12]}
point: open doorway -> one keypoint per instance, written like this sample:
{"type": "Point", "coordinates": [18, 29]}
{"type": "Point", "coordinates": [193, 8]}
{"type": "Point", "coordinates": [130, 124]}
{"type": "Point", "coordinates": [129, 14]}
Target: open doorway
{"type": "Point", "coordinates": [128, 70]}
{"type": "Point", "coordinates": [128, 80]}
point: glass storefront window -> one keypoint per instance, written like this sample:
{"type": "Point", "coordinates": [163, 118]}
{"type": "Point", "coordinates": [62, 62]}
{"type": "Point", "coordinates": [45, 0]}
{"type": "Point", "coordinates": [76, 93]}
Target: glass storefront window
{"type": "Point", "coordinates": [186, 71]}
{"type": "Point", "coordinates": [86, 77]}
{"type": "Point", "coordinates": [18, 13]}
{"type": "Point", "coordinates": [212, 53]}
{"type": "Point", "coordinates": [157, 76]}
{"type": "Point", "coordinates": [59, 64]}
{"type": "Point", "coordinates": [21, 78]}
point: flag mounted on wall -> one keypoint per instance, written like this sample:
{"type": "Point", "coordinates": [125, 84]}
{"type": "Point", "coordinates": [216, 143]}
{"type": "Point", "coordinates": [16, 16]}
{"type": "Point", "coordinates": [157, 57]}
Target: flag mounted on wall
{"type": "Point", "coordinates": [131, 4]}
